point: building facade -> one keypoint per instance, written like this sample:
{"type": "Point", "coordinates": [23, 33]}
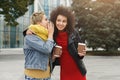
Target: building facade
{"type": "Point", "coordinates": [12, 36]}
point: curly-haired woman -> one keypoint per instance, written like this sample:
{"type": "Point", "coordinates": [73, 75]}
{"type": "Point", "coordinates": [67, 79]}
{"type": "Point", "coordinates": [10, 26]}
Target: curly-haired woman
{"type": "Point", "coordinates": [71, 64]}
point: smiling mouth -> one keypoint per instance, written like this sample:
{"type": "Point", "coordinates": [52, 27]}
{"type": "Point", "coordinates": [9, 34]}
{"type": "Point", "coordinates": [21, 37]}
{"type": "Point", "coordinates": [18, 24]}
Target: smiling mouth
{"type": "Point", "coordinates": [60, 26]}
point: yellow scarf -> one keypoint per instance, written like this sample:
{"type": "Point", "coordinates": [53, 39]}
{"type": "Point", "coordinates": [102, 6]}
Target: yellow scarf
{"type": "Point", "coordinates": [40, 31]}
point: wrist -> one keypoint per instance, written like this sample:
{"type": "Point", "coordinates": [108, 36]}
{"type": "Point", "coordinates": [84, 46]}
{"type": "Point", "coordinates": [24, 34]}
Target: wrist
{"type": "Point", "coordinates": [50, 36]}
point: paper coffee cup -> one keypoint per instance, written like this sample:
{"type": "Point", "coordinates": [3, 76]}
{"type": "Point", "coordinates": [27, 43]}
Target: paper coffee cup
{"type": "Point", "coordinates": [81, 47]}
{"type": "Point", "coordinates": [57, 50]}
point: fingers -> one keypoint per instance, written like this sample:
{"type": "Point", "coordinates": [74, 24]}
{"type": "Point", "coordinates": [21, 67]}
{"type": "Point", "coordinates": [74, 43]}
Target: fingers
{"type": "Point", "coordinates": [29, 32]}
{"type": "Point", "coordinates": [57, 52]}
{"type": "Point", "coordinates": [82, 53]}
{"type": "Point", "coordinates": [56, 55]}
{"type": "Point", "coordinates": [50, 25]}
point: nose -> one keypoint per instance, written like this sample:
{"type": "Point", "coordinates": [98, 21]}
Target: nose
{"type": "Point", "coordinates": [61, 22]}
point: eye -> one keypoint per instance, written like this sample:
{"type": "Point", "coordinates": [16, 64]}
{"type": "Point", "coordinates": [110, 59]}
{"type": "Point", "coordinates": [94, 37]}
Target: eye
{"type": "Point", "coordinates": [58, 20]}
{"type": "Point", "coordinates": [64, 21]}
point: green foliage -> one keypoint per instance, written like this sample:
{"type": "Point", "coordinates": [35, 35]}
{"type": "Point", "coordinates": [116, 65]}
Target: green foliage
{"type": "Point", "coordinates": [104, 53]}
{"type": "Point", "coordinates": [12, 9]}
{"type": "Point", "coordinates": [99, 22]}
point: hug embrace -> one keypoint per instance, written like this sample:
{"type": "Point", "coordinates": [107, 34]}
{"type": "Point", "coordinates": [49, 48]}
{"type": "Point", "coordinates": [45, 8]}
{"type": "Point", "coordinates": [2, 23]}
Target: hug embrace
{"type": "Point", "coordinates": [61, 32]}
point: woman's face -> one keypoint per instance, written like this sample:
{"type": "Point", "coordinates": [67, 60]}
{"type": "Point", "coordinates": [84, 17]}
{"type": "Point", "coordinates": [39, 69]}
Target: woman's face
{"type": "Point", "coordinates": [61, 22]}
{"type": "Point", "coordinates": [44, 21]}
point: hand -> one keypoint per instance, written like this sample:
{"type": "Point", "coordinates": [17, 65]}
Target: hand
{"type": "Point", "coordinates": [83, 53]}
{"type": "Point", "coordinates": [29, 32]}
{"type": "Point", "coordinates": [81, 49]}
{"type": "Point", "coordinates": [50, 27]}
{"type": "Point", "coordinates": [50, 30]}
{"type": "Point", "coordinates": [57, 52]}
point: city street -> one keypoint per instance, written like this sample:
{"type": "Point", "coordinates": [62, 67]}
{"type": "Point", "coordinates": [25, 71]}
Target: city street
{"type": "Point", "coordinates": [99, 67]}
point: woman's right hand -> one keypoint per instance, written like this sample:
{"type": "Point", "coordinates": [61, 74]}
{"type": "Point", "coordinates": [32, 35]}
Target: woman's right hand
{"type": "Point", "coordinates": [50, 30]}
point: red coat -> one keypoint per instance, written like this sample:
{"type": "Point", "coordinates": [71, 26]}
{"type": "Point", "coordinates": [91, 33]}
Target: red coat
{"type": "Point", "coordinates": [68, 67]}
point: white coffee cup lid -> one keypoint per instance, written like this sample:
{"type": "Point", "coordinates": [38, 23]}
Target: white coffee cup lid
{"type": "Point", "coordinates": [81, 43]}
{"type": "Point", "coordinates": [58, 46]}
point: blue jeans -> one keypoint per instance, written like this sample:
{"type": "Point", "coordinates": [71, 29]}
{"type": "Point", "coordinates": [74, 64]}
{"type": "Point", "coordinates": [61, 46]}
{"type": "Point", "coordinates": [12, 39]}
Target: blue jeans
{"type": "Point", "coordinates": [29, 78]}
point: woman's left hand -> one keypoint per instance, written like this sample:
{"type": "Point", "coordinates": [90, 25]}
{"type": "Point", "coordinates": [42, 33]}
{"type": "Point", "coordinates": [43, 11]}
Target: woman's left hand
{"type": "Point", "coordinates": [83, 53]}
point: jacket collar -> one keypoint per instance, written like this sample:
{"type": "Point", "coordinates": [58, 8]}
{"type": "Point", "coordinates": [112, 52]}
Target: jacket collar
{"type": "Point", "coordinates": [71, 38]}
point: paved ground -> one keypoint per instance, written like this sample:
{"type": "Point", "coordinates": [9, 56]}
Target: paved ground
{"type": "Point", "coordinates": [99, 67]}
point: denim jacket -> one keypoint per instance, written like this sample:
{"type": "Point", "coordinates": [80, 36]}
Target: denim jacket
{"type": "Point", "coordinates": [37, 52]}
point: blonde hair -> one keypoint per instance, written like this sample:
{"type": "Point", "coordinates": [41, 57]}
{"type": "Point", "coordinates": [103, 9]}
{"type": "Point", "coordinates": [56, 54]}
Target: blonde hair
{"type": "Point", "coordinates": [37, 17]}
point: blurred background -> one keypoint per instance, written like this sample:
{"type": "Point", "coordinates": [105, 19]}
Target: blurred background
{"type": "Point", "coordinates": [98, 21]}
{"type": "Point", "coordinates": [15, 17]}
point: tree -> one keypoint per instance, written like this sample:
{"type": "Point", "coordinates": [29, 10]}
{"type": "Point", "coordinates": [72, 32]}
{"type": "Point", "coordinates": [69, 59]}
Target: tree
{"type": "Point", "coordinates": [12, 9]}
{"type": "Point", "coordinates": [99, 22]}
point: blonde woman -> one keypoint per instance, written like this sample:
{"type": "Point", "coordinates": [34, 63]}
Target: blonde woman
{"type": "Point", "coordinates": [38, 47]}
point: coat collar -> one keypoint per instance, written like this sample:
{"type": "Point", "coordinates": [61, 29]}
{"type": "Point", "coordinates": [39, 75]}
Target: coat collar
{"type": "Point", "coordinates": [71, 38]}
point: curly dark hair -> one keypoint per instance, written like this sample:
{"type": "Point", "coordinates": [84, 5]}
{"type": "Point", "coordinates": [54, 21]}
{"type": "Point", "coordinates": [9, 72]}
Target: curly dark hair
{"type": "Point", "coordinates": [67, 12]}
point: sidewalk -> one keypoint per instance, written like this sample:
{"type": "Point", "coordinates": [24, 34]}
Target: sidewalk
{"type": "Point", "coordinates": [10, 51]}
{"type": "Point", "coordinates": [99, 67]}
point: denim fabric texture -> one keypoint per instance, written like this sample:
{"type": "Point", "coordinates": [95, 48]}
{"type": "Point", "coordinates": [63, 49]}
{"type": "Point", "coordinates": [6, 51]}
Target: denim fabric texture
{"type": "Point", "coordinates": [29, 78]}
{"type": "Point", "coordinates": [37, 52]}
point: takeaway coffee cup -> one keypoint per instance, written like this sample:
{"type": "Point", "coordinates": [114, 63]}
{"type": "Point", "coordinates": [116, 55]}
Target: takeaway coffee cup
{"type": "Point", "coordinates": [81, 47]}
{"type": "Point", "coordinates": [57, 51]}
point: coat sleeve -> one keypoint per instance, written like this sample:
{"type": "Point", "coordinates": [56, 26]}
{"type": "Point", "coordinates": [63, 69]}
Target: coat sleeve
{"type": "Point", "coordinates": [76, 40]}
{"type": "Point", "coordinates": [74, 53]}
{"type": "Point", "coordinates": [24, 32]}
{"type": "Point", "coordinates": [38, 44]}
